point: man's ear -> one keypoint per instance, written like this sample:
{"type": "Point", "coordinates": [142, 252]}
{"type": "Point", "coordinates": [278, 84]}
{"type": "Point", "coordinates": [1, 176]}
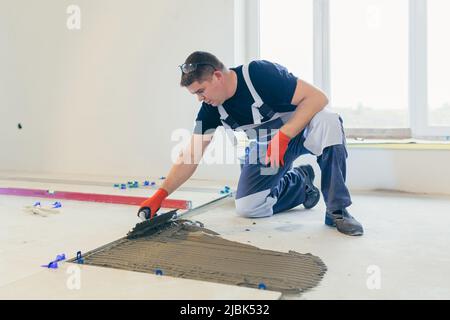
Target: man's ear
{"type": "Point", "coordinates": [218, 74]}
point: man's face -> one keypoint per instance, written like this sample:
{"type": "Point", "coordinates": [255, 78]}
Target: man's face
{"type": "Point", "coordinates": [211, 91]}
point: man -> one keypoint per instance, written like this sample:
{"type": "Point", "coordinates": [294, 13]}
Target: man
{"type": "Point", "coordinates": [284, 118]}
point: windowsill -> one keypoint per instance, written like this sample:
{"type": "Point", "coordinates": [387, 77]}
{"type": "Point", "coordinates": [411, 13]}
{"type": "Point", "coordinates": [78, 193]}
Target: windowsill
{"type": "Point", "coordinates": [401, 144]}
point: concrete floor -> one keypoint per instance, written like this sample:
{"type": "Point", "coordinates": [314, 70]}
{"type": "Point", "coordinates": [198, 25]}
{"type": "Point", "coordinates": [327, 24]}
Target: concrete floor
{"type": "Point", "coordinates": [406, 243]}
{"type": "Point", "coordinates": [403, 254]}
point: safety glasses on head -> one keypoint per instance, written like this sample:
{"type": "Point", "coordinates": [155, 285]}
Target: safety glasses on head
{"type": "Point", "coordinates": [191, 67]}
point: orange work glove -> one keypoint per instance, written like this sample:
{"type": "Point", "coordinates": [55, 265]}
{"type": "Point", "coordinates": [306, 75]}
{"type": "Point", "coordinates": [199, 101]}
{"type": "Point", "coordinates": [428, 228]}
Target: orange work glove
{"type": "Point", "coordinates": [277, 148]}
{"type": "Point", "coordinates": [154, 202]}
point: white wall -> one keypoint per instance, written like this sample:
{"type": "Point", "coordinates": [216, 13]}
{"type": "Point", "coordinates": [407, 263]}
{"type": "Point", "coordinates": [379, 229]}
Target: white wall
{"type": "Point", "coordinates": [418, 171]}
{"type": "Point", "coordinates": [105, 100]}
{"type": "Point", "coordinates": [421, 171]}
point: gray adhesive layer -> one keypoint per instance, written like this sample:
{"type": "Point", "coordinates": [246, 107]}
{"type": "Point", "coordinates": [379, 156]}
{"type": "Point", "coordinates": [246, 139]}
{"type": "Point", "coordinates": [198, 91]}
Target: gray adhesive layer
{"type": "Point", "coordinates": [185, 250]}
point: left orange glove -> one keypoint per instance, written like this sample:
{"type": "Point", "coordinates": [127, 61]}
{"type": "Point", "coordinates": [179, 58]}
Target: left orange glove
{"type": "Point", "coordinates": [277, 148]}
{"type": "Point", "coordinates": [154, 202]}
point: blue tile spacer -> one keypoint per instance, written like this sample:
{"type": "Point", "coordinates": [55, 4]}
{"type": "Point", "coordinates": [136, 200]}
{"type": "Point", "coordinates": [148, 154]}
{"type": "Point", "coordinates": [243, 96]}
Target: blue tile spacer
{"type": "Point", "coordinates": [36, 204]}
{"type": "Point", "coordinates": [57, 204]}
{"type": "Point", "coordinates": [51, 265]}
{"type": "Point", "coordinates": [116, 185]}
{"type": "Point", "coordinates": [79, 259]}
{"type": "Point", "coordinates": [162, 178]}
{"type": "Point", "coordinates": [262, 286]}
{"type": "Point", "coordinates": [123, 186]}
{"type": "Point", "coordinates": [225, 189]}
{"type": "Point", "coordinates": [146, 183]}
{"type": "Point", "coordinates": [158, 272]}
{"type": "Point", "coordinates": [153, 183]}
{"type": "Point", "coordinates": [60, 257]}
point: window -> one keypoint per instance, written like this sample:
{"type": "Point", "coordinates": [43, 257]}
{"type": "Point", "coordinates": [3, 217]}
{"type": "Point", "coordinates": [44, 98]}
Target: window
{"type": "Point", "coordinates": [286, 35]}
{"type": "Point", "coordinates": [438, 63]}
{"type": "Point", "coordinates": [384, 64]}
{"type": "Point", "coordinates": [369, 62]}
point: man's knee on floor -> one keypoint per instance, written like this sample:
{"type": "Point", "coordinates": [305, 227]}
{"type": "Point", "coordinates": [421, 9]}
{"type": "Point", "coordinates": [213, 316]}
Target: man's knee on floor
{"type": "Point", "coordinates": [252, 207]}
{"type": "Point", "coordinates": [244, 212]}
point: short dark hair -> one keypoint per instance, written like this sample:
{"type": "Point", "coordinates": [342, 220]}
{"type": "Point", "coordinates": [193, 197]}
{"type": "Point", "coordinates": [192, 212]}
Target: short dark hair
{"type": "Point", "coordinates": [203, 71]}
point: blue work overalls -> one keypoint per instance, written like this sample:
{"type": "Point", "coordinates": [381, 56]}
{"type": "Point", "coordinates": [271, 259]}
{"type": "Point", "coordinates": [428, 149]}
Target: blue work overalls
{"type": "Point", "coordinates": [263, 191]}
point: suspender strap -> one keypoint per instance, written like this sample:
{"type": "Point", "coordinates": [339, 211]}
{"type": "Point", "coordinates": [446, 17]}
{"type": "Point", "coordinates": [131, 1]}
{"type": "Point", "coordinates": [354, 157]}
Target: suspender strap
{"type": "Point", "coordinates": [248, 81]}
{"type": "Point", "coordinates": [266, 111]}
{"type": "Point", "coordinates": [224, 117]}
{"type": "Point", "coordinates": [260, 110]}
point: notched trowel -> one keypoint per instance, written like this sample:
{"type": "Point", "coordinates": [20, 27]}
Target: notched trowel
{"type": "Point", "coordinates": [162, 220]}
{"type": "Point", "coordinates": [150, 226]}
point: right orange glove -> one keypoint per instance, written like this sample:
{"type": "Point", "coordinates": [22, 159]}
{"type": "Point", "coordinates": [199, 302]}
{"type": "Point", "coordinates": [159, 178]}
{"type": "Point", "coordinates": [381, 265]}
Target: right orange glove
{"type": "Point", "coordinates": [277, 148]}
{"type": "Point", "coordinates": [154, 202]}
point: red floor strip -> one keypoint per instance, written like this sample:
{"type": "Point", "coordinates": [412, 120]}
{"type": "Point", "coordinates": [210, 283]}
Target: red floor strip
{"type": "Point", "coordinates": [91, 197]}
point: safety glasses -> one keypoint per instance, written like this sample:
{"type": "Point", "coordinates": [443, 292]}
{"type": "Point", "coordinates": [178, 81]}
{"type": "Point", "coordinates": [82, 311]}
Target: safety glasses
{"type": "Point", "coordinates": [191, 67]}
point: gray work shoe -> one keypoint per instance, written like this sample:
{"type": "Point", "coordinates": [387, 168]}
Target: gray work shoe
{"type": "Point", "coordinates": [344, 222]}
{"type": "Point", "coordinates": [312, 193]}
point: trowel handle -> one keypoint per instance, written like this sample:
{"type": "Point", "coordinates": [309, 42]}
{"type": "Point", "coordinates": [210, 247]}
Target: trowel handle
{"type": "Point", "coordinates": [144, 213]}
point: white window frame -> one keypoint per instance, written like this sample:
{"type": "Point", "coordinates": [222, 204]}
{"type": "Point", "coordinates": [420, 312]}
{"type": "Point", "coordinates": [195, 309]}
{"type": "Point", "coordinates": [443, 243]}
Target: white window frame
{"type": "Point", "coordinates": [418, 89]}
{"type": "Point", "coordinates": [418, 80]}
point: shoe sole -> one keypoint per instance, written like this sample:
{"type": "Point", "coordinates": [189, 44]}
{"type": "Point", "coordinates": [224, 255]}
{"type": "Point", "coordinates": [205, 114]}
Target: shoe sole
{"type": "Point", "coordinates": [311, 175]}
{"type": "Point", "coordinates": [315, 202]}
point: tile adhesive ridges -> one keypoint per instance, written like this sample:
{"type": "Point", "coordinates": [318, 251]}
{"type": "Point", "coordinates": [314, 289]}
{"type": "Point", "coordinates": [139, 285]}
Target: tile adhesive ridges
{"type": "Point", "coordinates": [185, 250]}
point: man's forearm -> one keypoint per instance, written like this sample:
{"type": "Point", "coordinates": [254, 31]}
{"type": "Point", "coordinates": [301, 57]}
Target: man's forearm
{"type": "Point", "coordinates": [305, 111]}
{"type": "Point", "coordinates": [178, 174]}
{"type": "Point", "coordinates": [187, 162]}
